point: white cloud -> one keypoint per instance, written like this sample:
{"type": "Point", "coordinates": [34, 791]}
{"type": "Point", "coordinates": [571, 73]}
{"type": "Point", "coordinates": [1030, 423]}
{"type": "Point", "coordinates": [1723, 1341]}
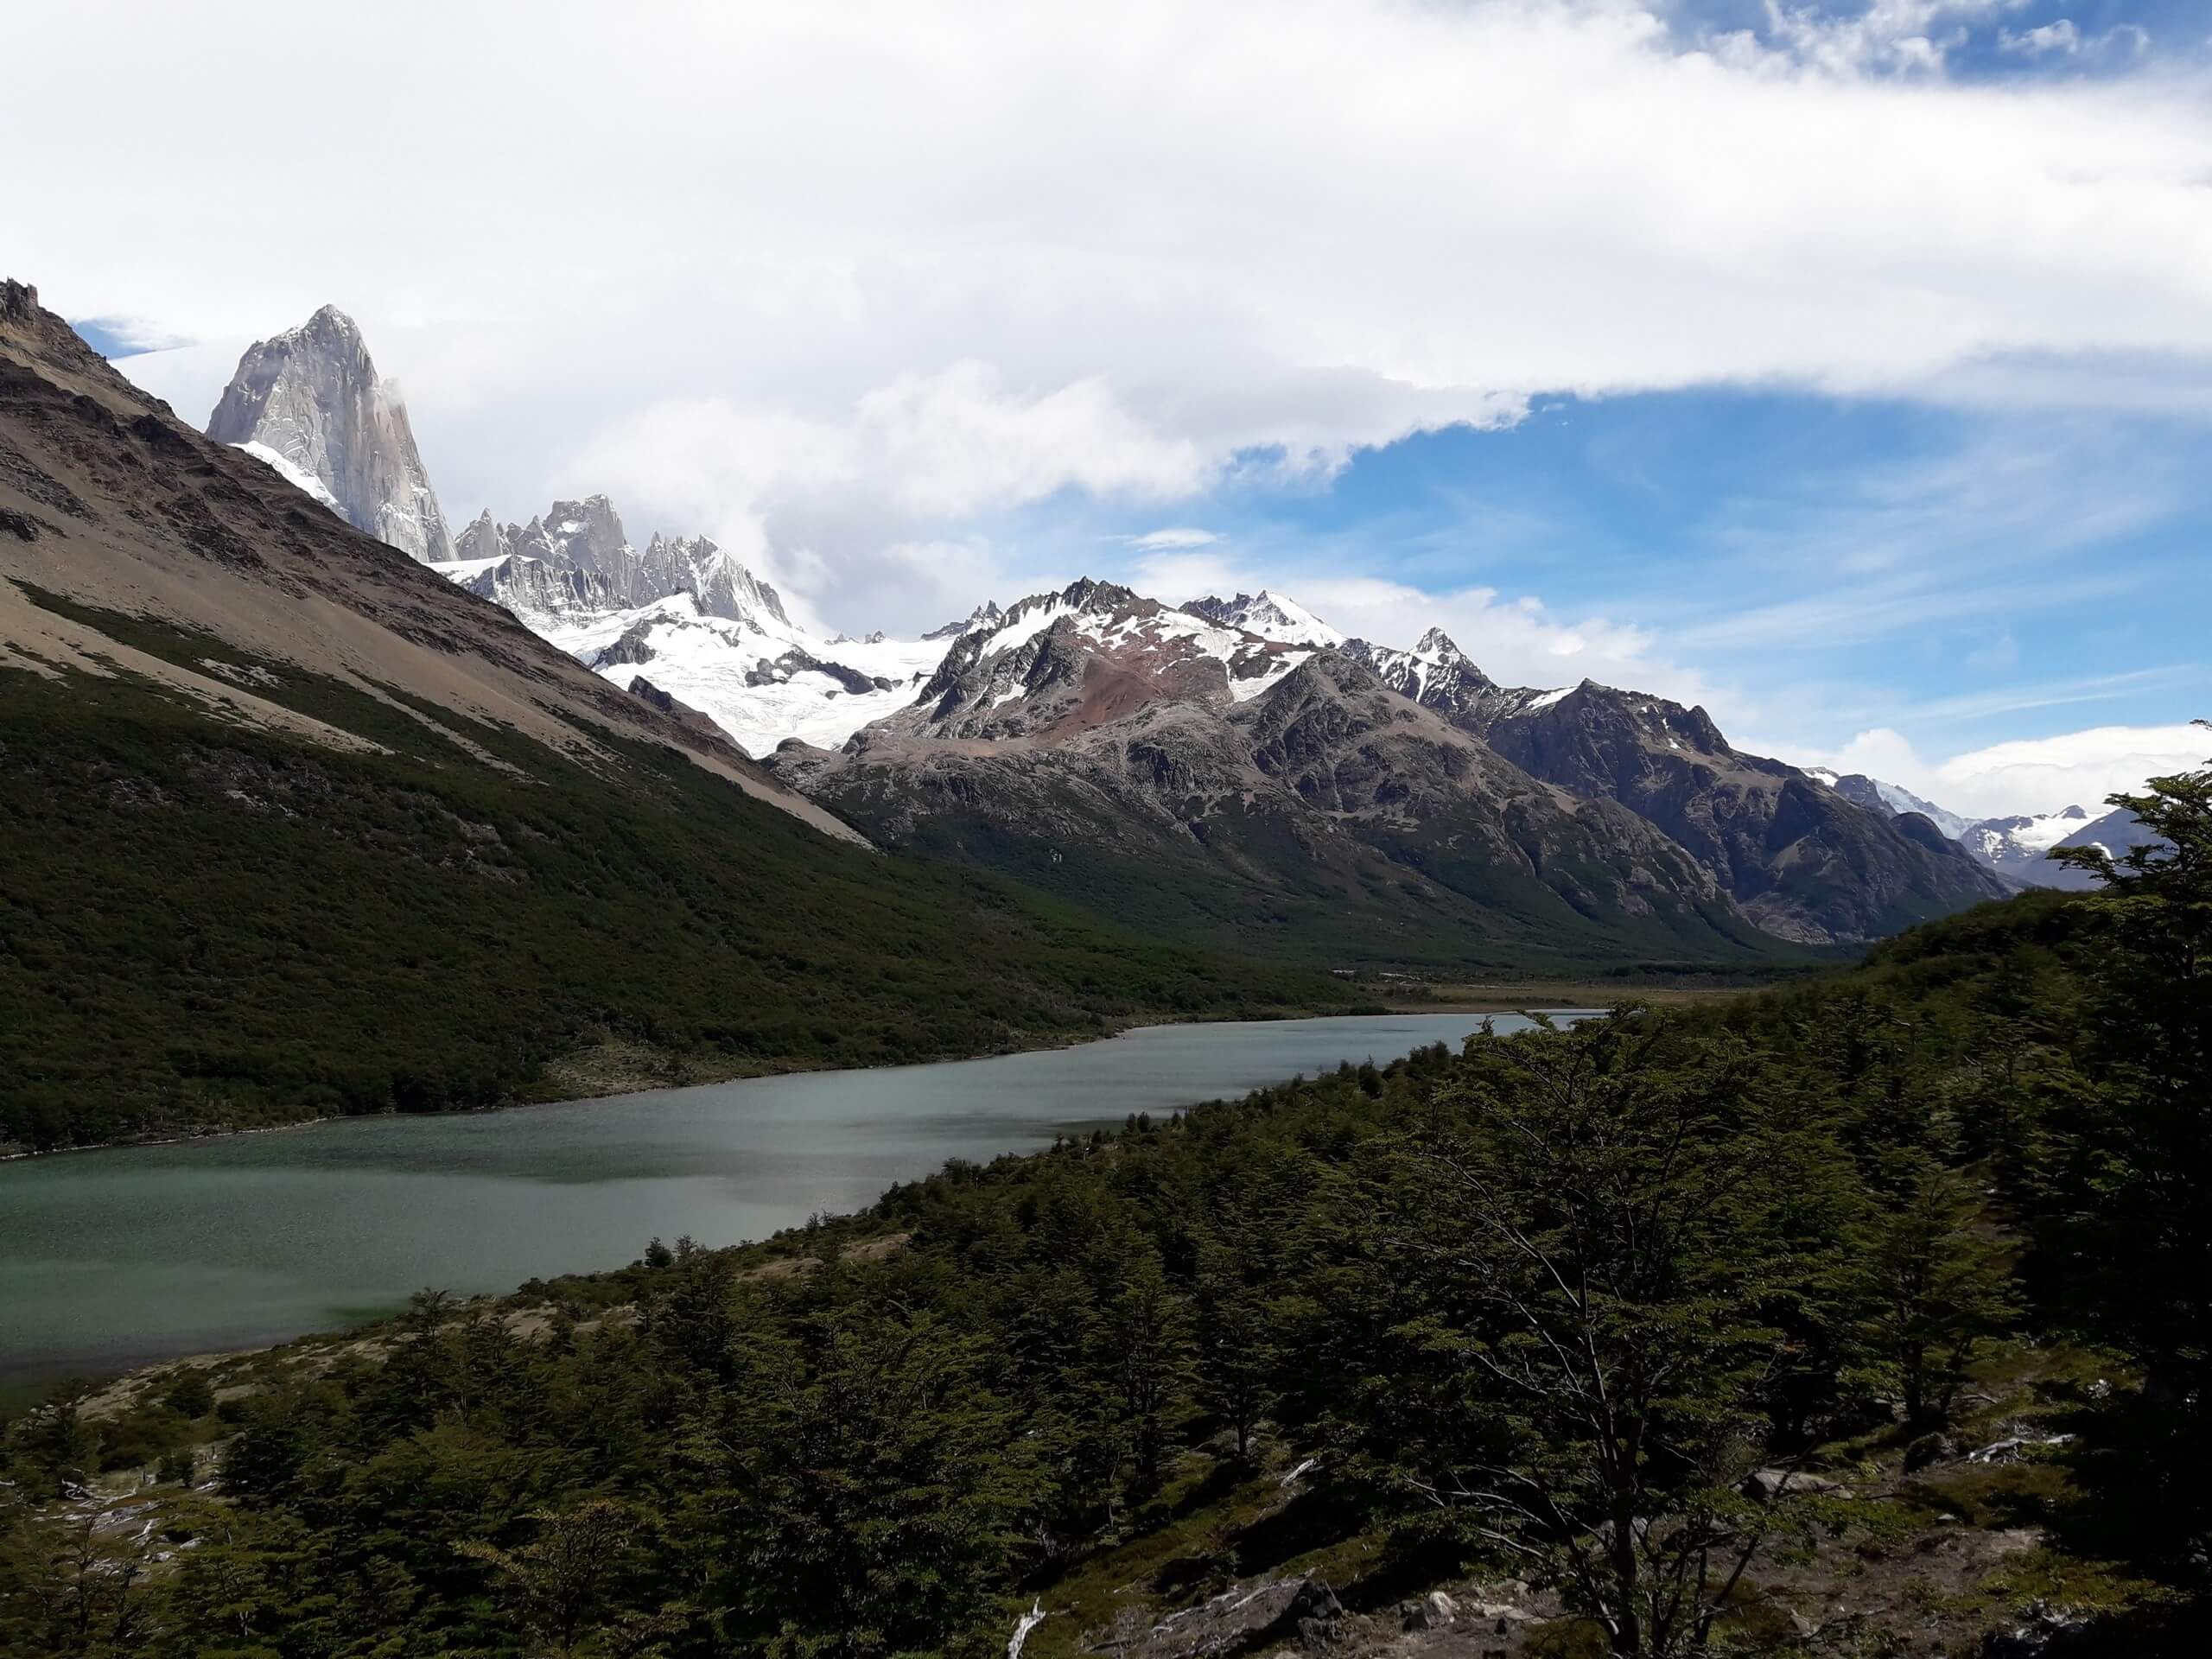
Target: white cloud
{"type": "Point", "coordinates": [1117, 248]}
{"type": "Point", "coordinates": [2061, 37]}
{"type": "Point", "coordinates": [2031, 775]}
{"type": "Point", "coordinates": [1891, 36]}
{"type": "Point", "coordinates": [1174, 536]}
{"type": "Point", "coordinates": [842, 285]}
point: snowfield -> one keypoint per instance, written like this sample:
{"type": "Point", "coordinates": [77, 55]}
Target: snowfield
{"type": "Point", "coordinates": [690, 618]}
{"type": "Point", "coordinates": [298, 478]}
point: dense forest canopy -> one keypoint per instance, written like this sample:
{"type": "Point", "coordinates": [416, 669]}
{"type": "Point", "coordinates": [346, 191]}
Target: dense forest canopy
{"type": "Point", "coordinates": [1653, 1317]}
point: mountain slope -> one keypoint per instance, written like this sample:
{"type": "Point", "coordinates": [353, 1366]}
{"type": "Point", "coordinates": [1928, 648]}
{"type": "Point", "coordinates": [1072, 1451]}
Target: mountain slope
{"type": "Point", "coordinates": [310, 403]}
{"type": "Point", "coordinates": [300, 827]}
{"type": "Point", "coordinates": [1802, 861]}
{"type": "Point", "coordinates": [1857, 786]}
{"type": "Point", "coordinates": [1240, 792]}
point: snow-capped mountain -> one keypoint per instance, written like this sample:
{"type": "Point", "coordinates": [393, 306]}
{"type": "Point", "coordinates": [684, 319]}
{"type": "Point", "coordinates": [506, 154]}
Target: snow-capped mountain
{"type": "Point", "coordinates": [1437, 674]}
{"type": "Point", "coordinates": [1269, 615]}
{"type": "Point", "coordinates": [1092, 725]}
{"type": "Point", "coordinates": [1895, 797]}
{"type": "Point", "coordinates": [517, 564]}
{"type": "Point", "coordinates": [2017, 846]}
{"type": "Point", "coordinates": [988, 611]}
{"type": "Point", "coordinates": [1021, 670]}
{"type": "Point", "coordinates": [2020, 847]}
{"type": "Point", "coordinates": [717, 637]}
{"type": "Point", "coordinates": [893, 731]}
{"type": "Point", "coordinates": [1797, 861]}
{"type": "Point", "coordinates": [309, 402]}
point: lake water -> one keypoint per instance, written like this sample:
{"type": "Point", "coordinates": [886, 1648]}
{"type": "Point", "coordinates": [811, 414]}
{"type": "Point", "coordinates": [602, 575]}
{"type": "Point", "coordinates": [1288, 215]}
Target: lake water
{"type": "Point", "coordinates": [113, 1258]}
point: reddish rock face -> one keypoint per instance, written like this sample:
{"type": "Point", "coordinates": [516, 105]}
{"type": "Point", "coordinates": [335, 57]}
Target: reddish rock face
{"type": "Point", "coordinates": [1408, 783]}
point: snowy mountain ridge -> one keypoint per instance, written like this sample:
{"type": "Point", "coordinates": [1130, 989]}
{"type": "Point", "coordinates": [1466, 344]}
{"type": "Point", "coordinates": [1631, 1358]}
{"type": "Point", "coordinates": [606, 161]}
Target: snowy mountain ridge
{"type": "Point", "coordinates": [1894, 798]}
{"type": "Point", "coordinates": [1267, 614]}
{"type": "Point", "coordinates": [704, 629]}
{"type": "Point", "coordinates": [2017, 846]}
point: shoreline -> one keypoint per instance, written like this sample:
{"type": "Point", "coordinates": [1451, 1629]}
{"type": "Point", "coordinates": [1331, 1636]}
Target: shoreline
{"type": "Point", "coordinates": [1552, 995]}
{"type": "Point", "coordinates": [25, 1378]}
{"type": "Point", "coordinates": [1523, 999]}
{"type": "Point", "coordinates": [639, 1085]}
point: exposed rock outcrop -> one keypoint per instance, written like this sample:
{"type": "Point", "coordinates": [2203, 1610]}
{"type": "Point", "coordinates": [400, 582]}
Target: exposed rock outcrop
{"type": "Point", "coordinates": [1093, 734]}
{"type": "Point", "coordinates": [1802, 860]}
{"type": "Point", "coordinates": [310, 403]}
{"type": "Point", "coordinates": [1247, 1618]}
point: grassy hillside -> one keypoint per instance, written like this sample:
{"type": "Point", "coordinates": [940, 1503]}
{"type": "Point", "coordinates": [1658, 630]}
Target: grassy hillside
{"type": "Point", "coordinates": [208, 925]}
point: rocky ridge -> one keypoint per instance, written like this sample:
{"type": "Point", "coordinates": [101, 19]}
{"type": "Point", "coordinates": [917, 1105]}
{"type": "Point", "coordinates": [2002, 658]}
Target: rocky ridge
{"type": "Point", "coordinates": [1096, 715]}
{"type": "Point", "coordinates": [118, 506]}
{"type": "Point", "coordinates": [1800, 859]}
{"type": "Point", "coordinates": [1107, 747]}
{"type": "Point", "coordinates": [309, 402]}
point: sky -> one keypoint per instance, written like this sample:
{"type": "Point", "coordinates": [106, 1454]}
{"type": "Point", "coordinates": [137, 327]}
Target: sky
{"type": "Point", "coordinates": [1844, 368]}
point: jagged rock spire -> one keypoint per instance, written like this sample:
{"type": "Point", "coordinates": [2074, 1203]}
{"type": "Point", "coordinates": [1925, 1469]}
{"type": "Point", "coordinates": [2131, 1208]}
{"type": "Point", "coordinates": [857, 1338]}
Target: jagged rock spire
{"type": "Point", "coordinates": [310, 403]}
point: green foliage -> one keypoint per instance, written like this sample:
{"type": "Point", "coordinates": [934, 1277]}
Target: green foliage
{"type": "Point", "coordinates": [207, 926]}
{"type": "Point", "coordinates": [1427, 904]}
{"type": "Point", "coordinates": [1937, 1285]}
{"type": "Point", "coordinates": [558, 1588]}
{"type": "Point", "coordinates": [1604, 1240]}
{"type": "Point", "coordinates": [1535, 1309]}
{"type": "Point", "coordinates": [858, 1489]}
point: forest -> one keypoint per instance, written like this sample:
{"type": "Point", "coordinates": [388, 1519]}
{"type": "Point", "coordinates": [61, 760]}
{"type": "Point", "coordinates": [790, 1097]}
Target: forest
{"type": "Point", "coordinates": [1866, 1315]}
{"type": "Point", "coordinates": [208, 926]}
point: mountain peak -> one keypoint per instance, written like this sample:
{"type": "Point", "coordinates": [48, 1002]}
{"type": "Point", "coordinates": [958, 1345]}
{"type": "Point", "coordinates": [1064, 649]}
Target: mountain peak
{"type": "Point", "coordinates": [1436, 643]}
{"type": "Point", "coordinates": [329, 319]}
{"type": "Point", "coordinates": [1088, 594]}
{"type": "Point", "coordinates": [1268, 614]}
{"type": "Point", "coordinates": [310, 403]}
{"type": "Point", "coordinates": [985, 614]}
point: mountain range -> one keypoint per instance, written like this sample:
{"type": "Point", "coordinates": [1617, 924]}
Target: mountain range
{"type": "Point", "coordinates": [302, 827]}
{"type": "Point", "coordinates": [2018, 846]}
{"type": "Point", "coordinates": [1233, 772]}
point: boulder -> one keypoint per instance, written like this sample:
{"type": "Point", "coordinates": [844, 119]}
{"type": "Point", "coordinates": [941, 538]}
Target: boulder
{"type": "Point", "coordinates": [2044, 1628]}
{"type": "Point", "coordinates": [1251, 1616]}
{"type": "Point", "coordinates": [1434, 1611]}
{"type": "Point", "coordinates": [1768, 1485]}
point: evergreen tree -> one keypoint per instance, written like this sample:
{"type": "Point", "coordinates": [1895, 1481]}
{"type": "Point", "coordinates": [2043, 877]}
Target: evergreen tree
{"type": "Point", "coordinates": [1237, 1352]}
{"type": "Point", "coordinates": [1607, 1212]}
{"type": "Point", "coordinates": [1937, 1285]}
{"type": "Point", "coordinates": [2128, 1140]}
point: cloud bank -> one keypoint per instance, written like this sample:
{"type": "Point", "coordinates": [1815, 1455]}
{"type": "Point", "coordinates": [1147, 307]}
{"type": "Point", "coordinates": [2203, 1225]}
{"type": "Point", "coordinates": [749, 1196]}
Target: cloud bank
{"type": "Point", "coordinates": [2033, 775]}
{"type": "Point", "coordinates": [862, 289]}
{"type": "Point", "coordinates": [993, 254]}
